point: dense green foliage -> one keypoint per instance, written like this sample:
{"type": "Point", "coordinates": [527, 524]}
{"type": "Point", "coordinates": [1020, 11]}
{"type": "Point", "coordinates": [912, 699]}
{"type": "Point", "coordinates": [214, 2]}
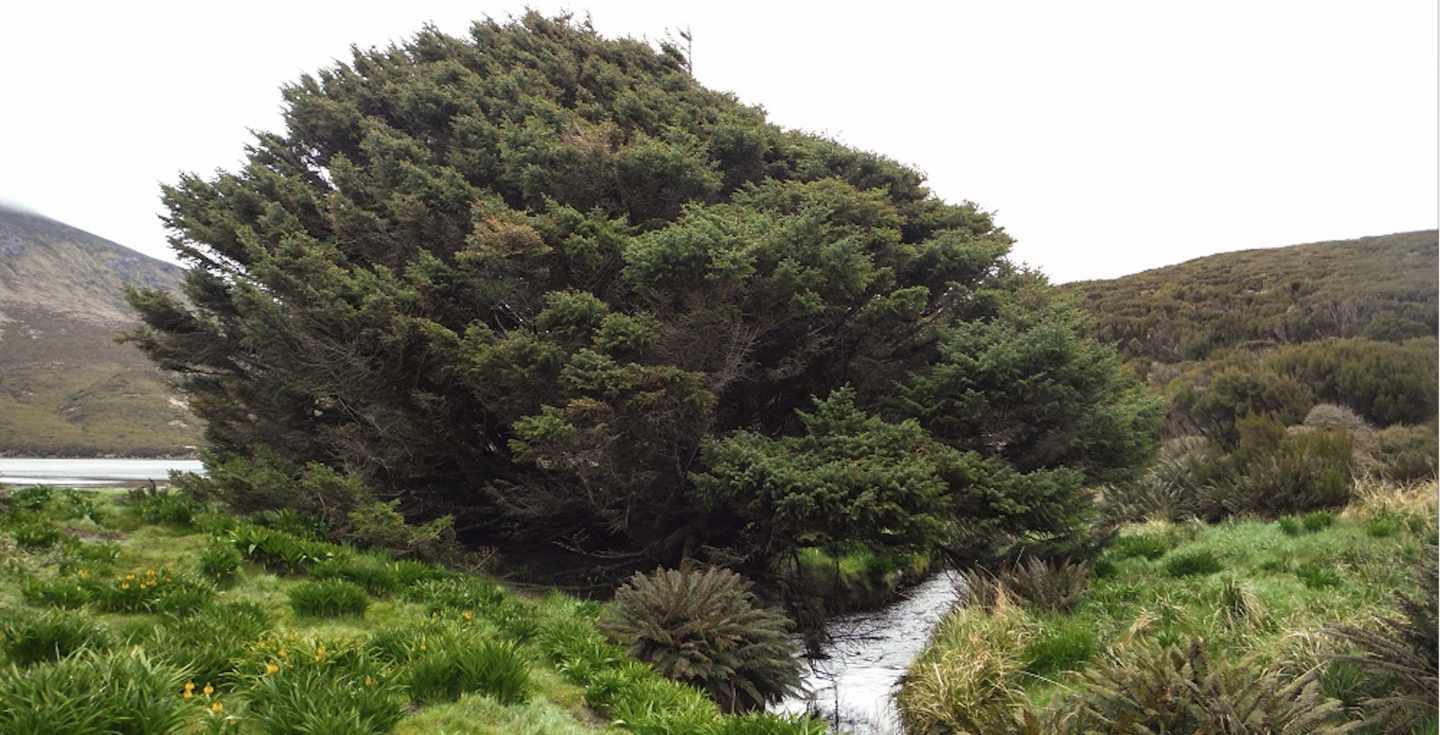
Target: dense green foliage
{"type": "Point", "coordinates": [547, 284]}
{"type": "Point", "coordinates": [451, 652]}
{"type": "Point", "coordinates": [90, 693]}
{"type": "Point", "coordinates": [1380, 288]}
{"type": "Point", "coordinates": [1196, 628]}
{"type": "Point", "coordinates": [705, 627]}
{"type": "Point", "coordinates": [1405, 652]}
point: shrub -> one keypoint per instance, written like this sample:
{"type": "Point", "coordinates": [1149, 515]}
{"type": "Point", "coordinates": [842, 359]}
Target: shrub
{"type": "Point", "coordinates": [1332, 416]}
{"type": "Point", "coordinates": [1316, 575]}
{"type": "Point", "coordinates": [409, 572]}
{"type": "Point", "coordinates": [1217, 404]}
{"type": "Point", "coordinates": [497, 669]}
{"type": "Point", "coordinates": [323, 700]}
{"type": "Point", "coordinates": [184, 598]}
{"type": "Point", "coordinates": [220, 561]}
{"type": "Point", "coordinates": [1048, 586]}
{"type": "Point", "coordinates": [62, 592]}
{"type": "Point", "coordinates": [1042, 585]}
{"type": "Point", "coordinates": [1406, 453]}
{"type": "Point", "coordinates": [35, 534]}
{"type": "Point", "coordinates": [1187, 480]}
{"type": "Point", "coordinates": [174, 508]}
{"type": "Point", "coordinates": [1290, 526]}
{"type": "Point", "coordinates": [1192, 563]}
{"type": "Point", "coordinates": [31, 639]}
{"type": "Point", "coordinates": [31, 499]}
{"type": "Point", "coordinates": [78, 504]}
{"type": "Point", "coordinates": [1316, 521]}
{"type": "Point", "coordinates": [117, 693]}
{"type": "Point", "coordinates": [1406, 647]}
{"type": "Point", "coordinates": [135, 591]}
{"type": "Point", "coordinates": [649, 704]}
{"type": "Point", "coordinates": [375, 575]}
{"type": "Point", "coordinates": [1384, 525]}
{"type": "Point", "coordinates": [1387, 383]}
{"type": "Point", "coordinates": [1292, 473]}
{"type": "Point", "coordinates": [1178, 691]}
{"type": "Point", "coordinates": [705, 627]}
{"type": "Point", "coordinates": [381, 524]}
{"type": "Point", "coordinates": [965, 679]}
{"type": "Point", "coordinates": [209, 644]}
{"type": "Point", "coordinates": [1240, 607]}
{"type": "Point", "coordinates": [764, 723]}
{"type": "Point", "coordinates": [97, 555]}
{"type": "Point", "coordinates": [1060, 648]}
{"type": "Point", "coordinates": [278, 551]}
{"type": "Point", "coordinates": [291, 521]}
{"type": "Point", "coordinates": [472, 596]}
{"type": "Point", "coordinates": [328, 599]}
{"type": "Point", "coordinates": [1149, 547]}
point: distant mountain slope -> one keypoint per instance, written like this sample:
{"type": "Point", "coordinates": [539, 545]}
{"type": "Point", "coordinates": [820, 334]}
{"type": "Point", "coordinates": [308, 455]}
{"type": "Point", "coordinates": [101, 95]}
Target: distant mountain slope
{"type": "Point", "coordinates": [66, 387]}
{"type": "Point", "coordinates": [1380, 287]}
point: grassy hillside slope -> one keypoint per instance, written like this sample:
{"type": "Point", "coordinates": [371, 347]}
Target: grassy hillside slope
{"type": "Point", "coordinates": [222, 625]}
{"type": "Point", "coordinates": [66, 387]}
{"type": "Point", "coordinates": [1381, 287]}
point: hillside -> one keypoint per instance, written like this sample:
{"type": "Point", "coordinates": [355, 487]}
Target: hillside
{"type": "Point", "coordinates": [1381, 287]}
{"type": "Point", "coordinates": [66, 387]}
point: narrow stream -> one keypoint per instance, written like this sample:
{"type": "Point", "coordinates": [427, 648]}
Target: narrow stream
{"type": "Point", "coordinates": [868, 653]}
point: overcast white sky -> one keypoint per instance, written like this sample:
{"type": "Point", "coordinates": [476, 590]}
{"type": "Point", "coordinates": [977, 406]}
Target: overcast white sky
{"type": "Point", "coordinates": [1109, 137]}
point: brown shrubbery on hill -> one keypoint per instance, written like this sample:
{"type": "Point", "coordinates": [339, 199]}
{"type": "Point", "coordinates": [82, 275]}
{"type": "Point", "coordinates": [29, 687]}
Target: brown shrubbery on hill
{"type": "Point", "coordinates": [66, 387]}
{"type": "Point", "coordinates": [1381, 288]}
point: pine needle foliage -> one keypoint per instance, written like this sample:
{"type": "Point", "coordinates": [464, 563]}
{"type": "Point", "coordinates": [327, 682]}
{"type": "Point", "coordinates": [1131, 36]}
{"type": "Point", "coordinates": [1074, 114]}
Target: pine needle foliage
{"type": "Point", "coordinates": [539, 281]}
{"type": "Point", "coordinates": [705, 627]}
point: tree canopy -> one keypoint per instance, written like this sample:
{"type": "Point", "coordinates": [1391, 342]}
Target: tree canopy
{"type": "Point", "coordinates": [549, 284]}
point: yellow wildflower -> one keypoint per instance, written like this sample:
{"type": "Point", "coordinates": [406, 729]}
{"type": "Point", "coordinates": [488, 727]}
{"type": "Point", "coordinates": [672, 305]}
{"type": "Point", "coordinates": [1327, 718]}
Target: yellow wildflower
{"type": "Point", "coordinates": [217, 708]}
{"type": "Point", "coordinates": [468, 615]}
{"type": "Point", "coordinates": [209, 690]}
{"type": "Point", "coordinates": [270, 667]}
{"type": "Point", "coordinates": [189, 690]}
{"type": "Point", "coordinates": [369, 680]}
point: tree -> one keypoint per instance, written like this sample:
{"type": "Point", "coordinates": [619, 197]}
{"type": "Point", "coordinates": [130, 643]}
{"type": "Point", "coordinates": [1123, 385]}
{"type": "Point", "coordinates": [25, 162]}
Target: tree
{"type": "Point", "coordinates": [547, 283]}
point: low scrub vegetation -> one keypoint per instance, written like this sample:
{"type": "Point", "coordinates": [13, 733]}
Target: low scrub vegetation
{"type": "Point", "coordinates": [259, 626]}
{"type": "Point", "coordinates": [1308, 624]}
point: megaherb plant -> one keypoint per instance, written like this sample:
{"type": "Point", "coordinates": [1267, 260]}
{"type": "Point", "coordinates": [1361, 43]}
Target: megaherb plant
{"type": "Point", "coordinates": [705, 627]}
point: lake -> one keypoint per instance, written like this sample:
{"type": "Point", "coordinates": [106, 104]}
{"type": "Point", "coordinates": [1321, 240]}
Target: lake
{"type": "Point", "coordinates": [91, 472]}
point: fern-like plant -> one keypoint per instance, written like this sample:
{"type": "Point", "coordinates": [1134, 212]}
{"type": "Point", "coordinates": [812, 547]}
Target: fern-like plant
{"type": "Point", "coordinates": [1403, 647]}
{"type": "Point", "coordinates": [1177, 690]}
{"type": "Point", "coordinates": [1038, 584]}
{"type": "Point", "coordinates": [706, 628]}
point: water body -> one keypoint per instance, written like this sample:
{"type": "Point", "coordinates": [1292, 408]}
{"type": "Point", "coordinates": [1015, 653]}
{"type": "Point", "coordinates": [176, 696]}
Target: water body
{"type": "Point", "coordinates": [90, 472]}
{"type": "Point", "coordinates": [867, 654]}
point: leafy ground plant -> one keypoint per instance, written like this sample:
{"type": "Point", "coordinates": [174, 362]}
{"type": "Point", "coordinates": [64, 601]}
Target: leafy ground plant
{"type": "Point", "coordinates": [121, 692]}
{"type": "Point", "coordinates": [328, 599]}
{"type": "Point", "coordinates": [31, 639]}
{"type": "Point", "coordinates": [458, 666]}
{"type": "Point", "coordinates": [705, 627]}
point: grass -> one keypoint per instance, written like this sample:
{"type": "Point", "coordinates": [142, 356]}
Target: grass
{"type": "Point", "coordinates": [1252, 591]}
{"type": "Point", "coordinates": [260, 628]}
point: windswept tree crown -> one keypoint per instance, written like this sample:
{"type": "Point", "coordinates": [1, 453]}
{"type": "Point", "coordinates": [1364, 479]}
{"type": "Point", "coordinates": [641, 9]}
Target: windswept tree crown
{"type": "Point", "coordinates": [547, 282]}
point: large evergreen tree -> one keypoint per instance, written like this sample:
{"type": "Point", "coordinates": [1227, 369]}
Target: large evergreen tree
{"type": "Point", "coordinates": [548, 283]}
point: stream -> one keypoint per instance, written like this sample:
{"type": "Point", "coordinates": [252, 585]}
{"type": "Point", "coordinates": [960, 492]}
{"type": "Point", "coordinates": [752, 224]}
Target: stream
{"type": "Point", "coordinates": [866, 655]}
